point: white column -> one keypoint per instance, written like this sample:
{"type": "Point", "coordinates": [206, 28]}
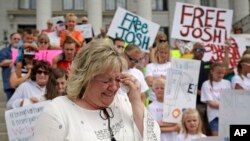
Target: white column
{"type": "Point", "coordinates": [194, 2]}
{"type": "Point", "coordinates": [144, 9]}
{"type": "Point", "coordinates": [223, 4]}
{"type": "Point", "coordinates": [241, 9]}
{"type": "Point", "coordinates": [94, 8]}
{"type": "Point", "coordinates": [43, 13]}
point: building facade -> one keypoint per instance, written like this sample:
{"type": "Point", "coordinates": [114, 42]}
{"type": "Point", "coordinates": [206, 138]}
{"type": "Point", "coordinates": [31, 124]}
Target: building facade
{"type": "Point", "coordinates": [18, 14]}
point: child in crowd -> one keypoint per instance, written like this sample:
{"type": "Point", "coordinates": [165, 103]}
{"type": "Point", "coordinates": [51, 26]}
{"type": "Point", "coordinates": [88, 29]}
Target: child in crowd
{"type": "Point", "coordinates": [71, 21]}
{"type": "Point", "coordinates": [191, 126]}
{"type": "Point", "coordinates": [211, 91]}
{"type": "Point", "coordinates": [169, 131]}
{"type": "Point", "coordinates": [242, 79]}
{"type": "Point", "coordinates": [27, 43]}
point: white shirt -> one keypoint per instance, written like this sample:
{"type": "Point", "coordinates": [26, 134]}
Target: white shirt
{"type": "Point", "coordinates": [244, 83]}
{"type": "Point", "coordinates": [63, 120]}
{"type": "Point", "coordinates": [156, 110]}
{"type": "Point", "coordinates": [213, 93]}
{"type": "Point", "coordinates": [156, 70]}
{"type": "Point", "coordinates": [181, 137]}
{"type": "Point", "coordinates": [24, 91]}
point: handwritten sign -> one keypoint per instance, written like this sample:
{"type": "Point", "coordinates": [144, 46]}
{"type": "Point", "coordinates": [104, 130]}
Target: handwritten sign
{"type": "Point", "coordinates": [180, 89]}
{"type": "Point", "coordinates": [86, 30]}
{"type": "Point", "coordinates": [133, 29]}
{"type": "Point", "coordinates": [234, 109]}
{"type": "Point", "coordinates": [21, 121]}
{"type": "Point", "coordinates": [46, 55]}
{"type": "Point", "coordinates": [201, 24]}
{"type": "Point", "coordinates": [216, 52]}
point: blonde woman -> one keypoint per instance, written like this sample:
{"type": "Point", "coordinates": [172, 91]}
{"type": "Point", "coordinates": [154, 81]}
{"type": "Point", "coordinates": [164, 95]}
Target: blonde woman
{"type": "Point", "coordinates": [92, 110]}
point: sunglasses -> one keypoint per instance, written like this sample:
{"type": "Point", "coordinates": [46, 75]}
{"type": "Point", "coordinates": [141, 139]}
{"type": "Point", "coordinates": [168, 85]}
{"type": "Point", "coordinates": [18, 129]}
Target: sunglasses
{"type": "Point", "coordinates": [43, 42]}
{"type": "Point", "coordinates": [162, 41]}
{"type": "Point", "coordinates": [132, 60]}
{"type": "Point", "coordinates": [44, 72]}
{"type": "Point", "coordinates": [199, 50]}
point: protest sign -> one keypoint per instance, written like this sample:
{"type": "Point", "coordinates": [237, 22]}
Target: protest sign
{"type": "Point", "coordinates": [234, 109]}
{"type": "Point", "coordinates": [133, 29]}
{"type": "Point", "coordinates": [46, 55]}
{"type": "Point", "coordinates": [216, 53]}
{"type": "Point", "coordinates": [181, 88]}
{"type": "Point", "coordinates": [21, 121]}
{"type": "Point", "coordinates": [201, 24]}
{"type": "Point", "coordinates": [85, 29]}
{"type": "Point", "coordinates": [54, 38]}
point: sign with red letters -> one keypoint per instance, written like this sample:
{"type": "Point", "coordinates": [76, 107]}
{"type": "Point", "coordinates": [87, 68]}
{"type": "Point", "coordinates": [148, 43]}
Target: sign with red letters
{"type": "Point", "coordinates": [202, 24]}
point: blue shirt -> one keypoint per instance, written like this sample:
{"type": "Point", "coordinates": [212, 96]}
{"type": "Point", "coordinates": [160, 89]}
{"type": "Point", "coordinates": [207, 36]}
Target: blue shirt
{"type": "Point", "coordinates": [6, 53]}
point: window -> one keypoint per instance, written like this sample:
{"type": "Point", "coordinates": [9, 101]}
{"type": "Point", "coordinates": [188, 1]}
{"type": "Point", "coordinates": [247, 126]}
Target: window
{"type": "Point", "coordinates": [73, 4]}
{"type": "Point", "coordinates": [159, 5]}
{"type": "Point", "coordinates": [112, 5]}
{"type": "Point", "coordinates": [209, 3]}
{"type": "Point", "coordinates": [27, 4]}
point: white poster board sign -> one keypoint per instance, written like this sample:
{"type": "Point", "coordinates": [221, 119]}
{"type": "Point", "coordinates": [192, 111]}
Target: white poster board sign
{"type": "Point", "coordinates": [54, 38]}
{"type": "Point", "coordinates": [57, 19]}
{"type": "Point", "coordinates": [21, 121]}
{"type": "Point", "coordinates": [180, 89]}
{"type": "Point", "coordinates": [234, 109]}
{"type": "Point", "coordinates": [201, 24]}
{"type": "Point", "coordinates": [133, 29]}
{"type": "Point", "coordinates": [216, 52]}
{"type": "Point", "coordinates": [85, 29]}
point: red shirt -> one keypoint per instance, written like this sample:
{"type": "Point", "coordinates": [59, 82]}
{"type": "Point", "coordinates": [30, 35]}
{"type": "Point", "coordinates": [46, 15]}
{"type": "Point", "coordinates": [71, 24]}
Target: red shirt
{"type": "Point", "coordinates": [65, 65]}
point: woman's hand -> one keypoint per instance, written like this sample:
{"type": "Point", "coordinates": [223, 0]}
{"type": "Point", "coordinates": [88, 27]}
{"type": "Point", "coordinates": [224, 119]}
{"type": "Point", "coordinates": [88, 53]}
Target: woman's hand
{"type": "Point", "coordinates": [133, 86]}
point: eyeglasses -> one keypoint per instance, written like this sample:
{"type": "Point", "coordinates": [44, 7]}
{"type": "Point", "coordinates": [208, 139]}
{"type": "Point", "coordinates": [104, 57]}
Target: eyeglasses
{"type": "Point", "coordinates": [132, 60]}
{"type": "Point", "coordinates": [106, 114]}
{"type": "Point", "coordinates": [202, 50]}
{"type": "Point", "coordinates": [43, 42]}
{"type": "Point", "coordinates": [44, 72]}
{"type": "Point", "coordinates": [84, 21]}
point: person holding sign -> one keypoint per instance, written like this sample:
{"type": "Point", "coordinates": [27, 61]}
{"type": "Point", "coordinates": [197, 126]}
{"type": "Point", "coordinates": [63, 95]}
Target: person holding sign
{"type": "Point", "coordinates": [70, 32]}
{"type": "Point", "coordinates": [32, 90]}
{"type": "Point", "coordinates": [169, 131]}
{"type": "Point", "coordinates": [191, 126]}
{"type": "Point", "coordinates": [92, 110]}
{"type": "Point", "coordinates": [211, 91]}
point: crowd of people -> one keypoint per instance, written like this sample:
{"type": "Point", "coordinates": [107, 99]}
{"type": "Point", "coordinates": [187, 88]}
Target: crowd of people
{"type": "Point", "coordinates": [105, 89]}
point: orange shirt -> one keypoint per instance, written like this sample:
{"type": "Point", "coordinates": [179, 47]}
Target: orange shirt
{"type": "Point", "coordinates": [76, 35]}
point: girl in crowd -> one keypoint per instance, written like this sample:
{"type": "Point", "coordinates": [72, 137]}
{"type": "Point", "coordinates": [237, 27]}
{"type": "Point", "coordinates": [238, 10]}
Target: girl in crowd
{"type": "Point", "coordinates": [211, 91]}
{"type": "Point", "coordinates": [56, 84]}
{"type": "Point", "coordinates": [242, 79]}
{"type": "Point", "coordinates": [169, 131]}
{"type": "Point", "coordinates": [158, 68]}
{"type": "Point", "coordinates": [191, 126]}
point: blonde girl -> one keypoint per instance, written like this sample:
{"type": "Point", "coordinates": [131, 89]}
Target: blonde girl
{"type": "Point", "coordinates": [191, 126]}
{"type": "Point", "coordinates": [158, 68]}
{"type": "Point", "coordinates": [211, 91]}
{"type": "Point", "coordinates": [169, 131]}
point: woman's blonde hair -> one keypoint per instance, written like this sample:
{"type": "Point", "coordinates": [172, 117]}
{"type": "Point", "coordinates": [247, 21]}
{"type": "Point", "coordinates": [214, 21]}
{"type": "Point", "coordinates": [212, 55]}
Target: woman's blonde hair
{"type": "Point", "coordinates": [69, 15]}
{"type": "Point", "coordinates": [191, 112]}
{"type": "Point", "coordinates": [99, 56]}
{"type": "Point", "coordinates": [161, 47]}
